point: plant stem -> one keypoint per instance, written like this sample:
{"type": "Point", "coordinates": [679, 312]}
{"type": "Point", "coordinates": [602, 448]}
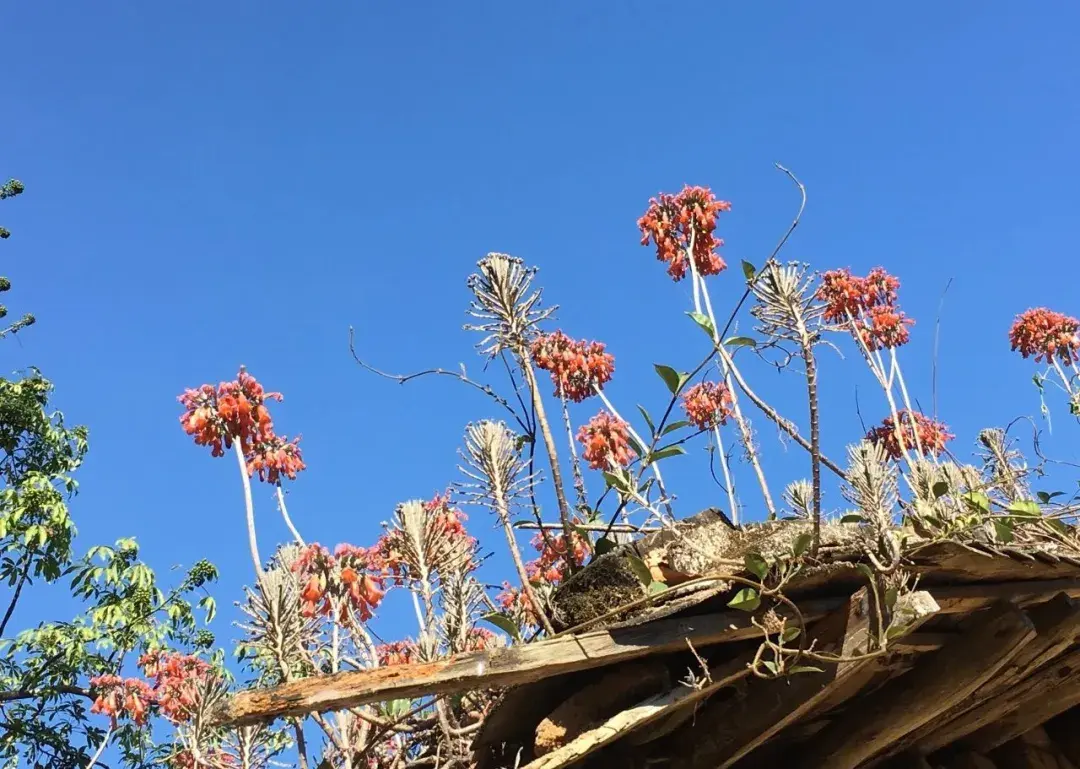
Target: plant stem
{"type": "Point", "coordinates": [23, 576]}
{"type": "Point", "coordinates": [285, 514]}
{"type": "Point", "coordinates": [553, 454]}
{"type": "Point", "coordinates": [575, 463]}
{"type": "Point", "coordinates": [806, 343]}
{"type": "Point", "coordinates": [907, 399]}
{"type": "Point", "coordinates": [249, 506]}
{"type": "Point", "coordinates": [728, 481]}
{"type": "Point", "coordinates": [744, 427]}
{"type": "Point", "coordinates": [101, 749]}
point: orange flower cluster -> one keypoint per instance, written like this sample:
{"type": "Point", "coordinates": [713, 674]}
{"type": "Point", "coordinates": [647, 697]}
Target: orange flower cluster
{"type": "Point", "coordinates": [707, 404]}
{"type": "Point", "coordinates": [236, 411]}
{"type": "Point", "coordinates": [575, 365]}
{"type": "Point", "coordinates": [932, 434]}
{"type": "Point", "coordinates": [478, 639]}
{"type": "Point", "coordinates": [275, 457]}
{"type": "Point", "coordinates": [177, 678]}
{"type": "Point", "coordinates": [670, 221]}
{"type": "Point", "coordinates": [1046, 334]}
{"type": "Point", "coordinates": [396, 653]}
{"type": "Point", "coordinates": [869, 303]}
{"type": "Point", "coordinates": [515, 602]}
{"type": "Point", "coordinates": [606, 442]}
{"type": "Point", "coordinates": [119, 697]}
{"type": "Point", "coordinates": [550, 567]}
{"type": "Point", "coordinates": [351, 579]}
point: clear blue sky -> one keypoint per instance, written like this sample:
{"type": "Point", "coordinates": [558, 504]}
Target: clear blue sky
{"type": "Point", "coordinates": [226, 183]}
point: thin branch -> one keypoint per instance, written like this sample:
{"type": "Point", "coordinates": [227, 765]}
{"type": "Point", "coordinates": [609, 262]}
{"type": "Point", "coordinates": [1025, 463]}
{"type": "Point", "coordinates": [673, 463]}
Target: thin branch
{"type": "Point", "coordinates": [23, 576]}
{"type": "Point", "coordinates": [937, 335]}
{"type": "Point", "coordinates": [458, 375]}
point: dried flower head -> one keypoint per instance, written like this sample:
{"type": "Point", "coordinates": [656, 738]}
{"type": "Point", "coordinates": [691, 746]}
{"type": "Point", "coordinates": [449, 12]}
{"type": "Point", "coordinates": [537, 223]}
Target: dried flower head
{"type": "Point", "coordinates": [1003, 466]}
{"type": "Point", "coordinates": [1046, 335]}
{"type": "Point", "coordinates": [606, 442]}
{"type": "Point", "coordinates": [674, 222]}
{"type": "Point", "coordinates": [505, 304]}
{"type": "Point", "coordinates": [426, 539]}
{"type": "Point", "coordinates": [494, 463]}
{"type": "Point", "coordinates": [915, 429]}
{"type": "Point", "coordinates": [707, 404]}
{"type": "Point", "coordinates": [786, 306]}
{"type": "Point", "coordinates": [872, 485]}
{"type": "Point", "coordinates": [575, 365]}
{"type": "Point", "coordinates": [799, 497]}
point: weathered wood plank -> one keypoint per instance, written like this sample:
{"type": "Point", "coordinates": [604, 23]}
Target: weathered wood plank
{"type": "Point", "coordinates": [1057, 625]}
{"type": "Point", "coordinates": [979, 728]}
{"type": "Point", "coordinates": [1057, 690]}
{"type": "Point", "coordinates": [1033, 750]}
{"type": "Point", "coordinates": [566, 654]}
{"type": "Point", "coordinates": [496, 668]}
{"type": "Point", "coordinates": [937, 683]}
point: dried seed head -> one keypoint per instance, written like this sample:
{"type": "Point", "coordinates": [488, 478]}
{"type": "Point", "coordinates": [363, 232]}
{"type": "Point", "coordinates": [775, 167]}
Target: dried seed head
{"type": "Point", "coordinates": [872, 483]}
{"type": "Point", "coordinates": [505, 304]}
{"type": "Point", "coordinates": [786, 306]}
{"type": "Point", "coordinates": [799, 497]}
{"type": "Point", "coordinates": [1004, 467]}
{"type": "Point", "coordinates": [493, 461]}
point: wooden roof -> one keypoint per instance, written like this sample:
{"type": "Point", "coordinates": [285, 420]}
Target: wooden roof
{"type": "Point", "coordinates": [978, 671]}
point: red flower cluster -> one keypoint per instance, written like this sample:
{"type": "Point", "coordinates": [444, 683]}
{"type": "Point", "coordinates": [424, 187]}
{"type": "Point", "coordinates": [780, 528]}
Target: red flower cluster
{"type": "Point", "coordinates": [118, 697]}
{"type": "Point", "coordinates": [707, 404]}
{"type": "Point", "coordinates": [236, 411]}
{"type": "Point", "coordinates": [275, 457]}
{"type": "Point", "coordinates": [671, 219]}
{"type": "Point", "coordinates": [575, 365]}
{"type": "Point", "coordinates": [606, 442]}
{"type": "Point", "coordinates": [870, 303]}
{"type": "Point", "coordinates": [932, 434]}
{"type": "Point", "coordinates": [351, 577]}
{"type": "Point", "coordinates": [1045, 334]}
{"type": "Point", "coordinates": [396, 653]}
{"type": "Point", "coordinates": [515, 602]}
{"type": "Point", "coordinates": [478, 639]}
{"type": "Point", "coordinates": [177, 678]}
{"type": "Point", "coordinates": [550, 567]}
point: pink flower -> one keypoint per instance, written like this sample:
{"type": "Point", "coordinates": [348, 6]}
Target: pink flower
{"type": "Point", "coordinates": [1046, 334]}
{"type": "Point", "coordinates": [672, 221]}
{"type": "Point", "coordinates": [707, 404]}
{"type": "Point", "coordinates": [606, 442]}
{"type": "Point", "coordinates": [932, 434]}
{"type": "Point", "coordinates": [575, 366]}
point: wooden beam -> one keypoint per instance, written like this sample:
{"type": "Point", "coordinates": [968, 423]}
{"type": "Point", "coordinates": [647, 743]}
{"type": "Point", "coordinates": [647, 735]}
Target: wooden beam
{"type": "Point", "coordinates": [1057, 624]}
{"type": "Point", "coordinates": [1051, 692]}
{"type": "Point", "coordinates": [773, 706]}
{"type": "Point", "coordinates": [937, 683]}
{"type": "Point", "coordinates": [830, 633]}
{"type": "Point", "coordinates": [1033, 750]}
{"type": "Point", "coordinates": [564, 654]}
{"type": "Point", "coordinates": [496, 668]}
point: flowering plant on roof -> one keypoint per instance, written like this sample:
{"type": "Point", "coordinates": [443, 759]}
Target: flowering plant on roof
{"type": "Point", "coordinates": [915, 429]}
{"type": "Point", "coordinates": [576, 366]}
{"type": "Point", "coordinates": [682, 223]}
{"type": "Point", "coordinates": [866, 306]}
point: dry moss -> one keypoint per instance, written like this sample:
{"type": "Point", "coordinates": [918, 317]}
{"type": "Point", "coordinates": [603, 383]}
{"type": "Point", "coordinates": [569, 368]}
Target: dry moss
{"type": "Point", "coordinates": [608, 583]}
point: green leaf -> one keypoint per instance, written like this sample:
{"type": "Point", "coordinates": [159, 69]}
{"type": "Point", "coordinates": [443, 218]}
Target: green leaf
{"type": "Point", "coordinates": [641, 571]}
{"type": "Point", "coordinates": [891, 594]}
{"type": "Point", "coordinates": [746, 599]}
{"type": "Point", "coordinates": [805, 669]}
{"type": "Point", "coordinates": [802, 543]}
{"type": "Point", "coordinates": [940, 489]}
{"type": "Point", "coordinates": [852, 518]}
{"type": "Point", "coordinates": [748, 270]}
{"type": "Point", "coordinates": [637, 447]}
{"type": "Point", "coordinates": [648, 419]}
{"type": "Point", "coordinates": [503, 623]}
{"type": "Point", "coordinates": [756, 565]}
{"type": "Point", "coordinates": [670, 451]}
{"type": "Point", "coordinates": [675, 426]}
{"type": "Point", "coordinates": [740, 341]}
{"type": "Point", "coordinates": [866, 571]}
{"type": "Point", "coordinates": [1026, 507]}
{"type": "Point", "coordinates": [604, 545]}
{"type": "Point", "coordinates": [617, 482]}
{"type": "Point", "coordinates": [790, 634]}
{"type": "Point", "coordinates": [670, 376]}
{"type": "Point", "coordinates": [208, 603]}
{"type": "Point", "coordinates": [656, 587]}
{"type": "Point", "coordinates": [1003, 532]}
{"type": "Point", "coordinates": [977, 500]}
{"type": "Point", "coordinates": [706, 324]}
{"type": "Point", "coordinates": [770, 666]}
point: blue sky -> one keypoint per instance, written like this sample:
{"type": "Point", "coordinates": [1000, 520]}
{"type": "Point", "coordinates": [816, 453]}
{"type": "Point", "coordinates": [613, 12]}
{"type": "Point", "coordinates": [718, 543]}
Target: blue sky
{"type": "Point", "coordinates": [216, 184]}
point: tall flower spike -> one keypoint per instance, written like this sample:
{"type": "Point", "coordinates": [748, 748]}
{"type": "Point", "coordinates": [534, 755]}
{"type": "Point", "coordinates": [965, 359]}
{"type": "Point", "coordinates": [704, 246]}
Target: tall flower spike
{"type": "Point", "coordinates": [505, 304]}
